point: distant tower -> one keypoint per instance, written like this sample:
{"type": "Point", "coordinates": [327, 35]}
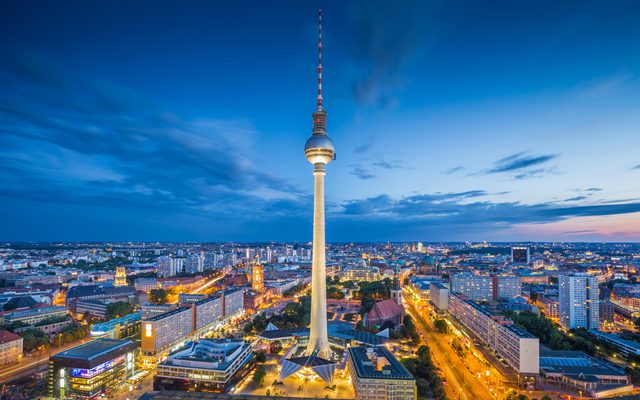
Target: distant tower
{"type": "Point", "coordinates": [257, 278]}
{"type": "Point", "coordinates": [396, 289]}
{"type": "Point", "coordinates": [121, 277]}
{"type": "Point", "coordinates": [319, 151]}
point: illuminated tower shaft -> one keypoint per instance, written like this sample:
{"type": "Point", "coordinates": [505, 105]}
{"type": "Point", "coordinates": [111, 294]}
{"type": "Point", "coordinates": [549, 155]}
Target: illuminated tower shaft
{"type": "Point", "coordinates": [319, 151]}
{"type": "Point", "coordinates": [318, 338]}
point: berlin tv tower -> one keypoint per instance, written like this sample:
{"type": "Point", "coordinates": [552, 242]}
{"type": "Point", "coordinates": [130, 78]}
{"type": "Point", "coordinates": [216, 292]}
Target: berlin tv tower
{"type": "Point", "coordinates": [319, 151]}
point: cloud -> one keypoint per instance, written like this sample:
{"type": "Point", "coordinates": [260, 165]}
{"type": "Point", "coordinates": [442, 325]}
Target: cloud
{"type": "Point", "coordinates": [637, 167]}
{"type": "Point", "coordinates": [593, 189]}
{"type": "Point", "coordinates": [65, 139]}
{"type": "Point", "coordinates": [453, 170]}
{"type": "Point", "coordinates": [386, 36]}
{"type": "Point", "coordinates": [388, 165]}
{"type": "Point", "coordinates": [579, 232]}
{"type": "Point", "coordinates": [464, 209]}
{"type": "Point", "coordinates": [576, 198]}
{"type": "Point", "coordinates": [519, 161]}
{"type": "Point", "coordinates": [362, 173]}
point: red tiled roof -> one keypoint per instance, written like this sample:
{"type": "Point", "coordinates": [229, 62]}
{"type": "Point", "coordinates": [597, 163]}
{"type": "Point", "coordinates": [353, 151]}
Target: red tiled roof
{"type": "Point", "coordinates": [6, 336]}
{"type": "Point", "coordinates": [386, 309]}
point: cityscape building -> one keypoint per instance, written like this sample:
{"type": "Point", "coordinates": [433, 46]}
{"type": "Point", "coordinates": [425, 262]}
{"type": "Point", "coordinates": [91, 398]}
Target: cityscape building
{"type": "Point", "coordinates": [475, 287]}
{"type": "Point", "coordinates": [376, 374]}
{"type": "Point", "coordinates": [10, 347]}
{"type": "Point", "coordinates": [209, 364]}
{"type": "Point", "coordinates": [91, 369]}
{"type": "Point", "coordinates": [520, 254]}
{"type": "Point", "coordinates": [578, 300]}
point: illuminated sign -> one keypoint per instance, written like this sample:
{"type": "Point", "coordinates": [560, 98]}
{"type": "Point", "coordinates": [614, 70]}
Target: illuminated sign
{"type": "Point", "coordinates": [97, 370]}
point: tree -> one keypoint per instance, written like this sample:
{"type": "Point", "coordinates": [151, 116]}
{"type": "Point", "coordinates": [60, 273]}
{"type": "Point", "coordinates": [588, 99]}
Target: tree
{"type": "Point", "coordinates": [441, 325]}
{"type": "Point", "coordinates": [33, 339]}
{"type": "Point", "coordinates": [158, 296]}
{"type": "Point", "coordinates": [118, 309]}
{"type": "Point", "coordinates": [261, 357]}
{"type": "Point", "coordinates": [276, 347]}
{"type": "Point", "coordinates": [258, 376]}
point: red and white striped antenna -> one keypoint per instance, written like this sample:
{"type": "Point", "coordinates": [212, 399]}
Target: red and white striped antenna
{"type": "Point", "coordinates": [319, 59]}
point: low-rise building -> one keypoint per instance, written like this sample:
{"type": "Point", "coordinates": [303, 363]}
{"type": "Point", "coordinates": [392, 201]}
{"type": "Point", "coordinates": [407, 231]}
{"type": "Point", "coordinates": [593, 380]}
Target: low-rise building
{"type": "Point", "coordinates": [34, 315]}
{"type": "Point", "coordinates": [146, 284]}
{"type": "Point", "coordinates": [377, 375]}
{"type": "Point", "coordinates": [118, 328]}
{"type": "Point", "coordinates": [10, 347]}
{"type": "Point", "coordinates": [208, 364]}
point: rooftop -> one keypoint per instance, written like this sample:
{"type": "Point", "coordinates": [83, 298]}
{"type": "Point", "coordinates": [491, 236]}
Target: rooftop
{"type": "Point", "coordinates": [168, 314]}
{"type": "Point", "coordinates": [94, 349]}
{"type": "Point", "coordinates": [363, 360]}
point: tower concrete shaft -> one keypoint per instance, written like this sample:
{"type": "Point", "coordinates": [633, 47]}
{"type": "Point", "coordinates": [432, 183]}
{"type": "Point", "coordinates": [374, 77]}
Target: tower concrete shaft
{"type": "Point", "coordinates": [318, 338]}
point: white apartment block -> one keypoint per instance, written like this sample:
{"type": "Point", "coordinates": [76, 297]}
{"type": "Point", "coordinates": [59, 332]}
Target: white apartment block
{"type": "Point", "coordinates": [439, 296]}
{"type": "Point", "coordinates": [579, 306]}
{"type": "Point", "coordinates": [166, 330]}
{"type": "Point", "coordinates": [475, 287]}
{"type": "Point", "coordinates": [506, 286]}
{"type": "Point", "coordinates": [520, 349]}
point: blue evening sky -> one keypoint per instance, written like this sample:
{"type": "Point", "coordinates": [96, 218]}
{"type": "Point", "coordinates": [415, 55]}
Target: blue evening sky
{"type": "Point", "coordinates": [453, 120]}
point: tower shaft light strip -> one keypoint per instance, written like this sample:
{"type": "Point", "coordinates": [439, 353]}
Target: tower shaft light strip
{"type": "Point", "coordinates": [319, 151]}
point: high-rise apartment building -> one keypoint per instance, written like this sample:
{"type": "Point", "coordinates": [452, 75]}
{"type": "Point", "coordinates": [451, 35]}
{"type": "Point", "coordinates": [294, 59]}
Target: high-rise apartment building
{"type": "Point", "coordinates": [475, 287]}
{"type": "Point", "coordinates": [506, 286]}
{"type": "Point", "coordinates": [579, 305]}
{"type": "Point", "coordinates": [520, 254]}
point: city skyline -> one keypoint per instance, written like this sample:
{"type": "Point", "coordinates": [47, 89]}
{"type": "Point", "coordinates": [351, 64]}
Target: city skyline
{"type": "Point", "coordinates": [513, 122]}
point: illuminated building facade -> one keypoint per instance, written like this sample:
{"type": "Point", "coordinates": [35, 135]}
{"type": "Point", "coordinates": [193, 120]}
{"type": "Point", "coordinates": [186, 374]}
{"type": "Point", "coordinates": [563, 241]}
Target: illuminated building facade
{"type": "Point", "coordinates": [121, 277]}
{"type": "Point", "coordinates": [92, 369]}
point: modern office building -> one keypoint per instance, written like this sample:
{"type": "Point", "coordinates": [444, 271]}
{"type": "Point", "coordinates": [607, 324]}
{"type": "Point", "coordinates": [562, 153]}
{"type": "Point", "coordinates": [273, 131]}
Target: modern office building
{"type": "Point", "coordinates": [506, 286]}
{"type": "Point", "coordinates": [475, 287]}
{"type": "Point", "coordinates": [10, 347]}
{"type": "Point", "coordinates": [377, 375]}
{"type": "Point", "coordinates": [206, 364]}
{"type": "Point", "coordinates": [92, 369]}
{"type": "Point", "coordinates": [579, 303]}
{"type": "Point", "coordinates": [521, 255]}
{"type": "Point", "coordinates": [519, 348]}
{"type": "Point", "coordinates": [439, 295]}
